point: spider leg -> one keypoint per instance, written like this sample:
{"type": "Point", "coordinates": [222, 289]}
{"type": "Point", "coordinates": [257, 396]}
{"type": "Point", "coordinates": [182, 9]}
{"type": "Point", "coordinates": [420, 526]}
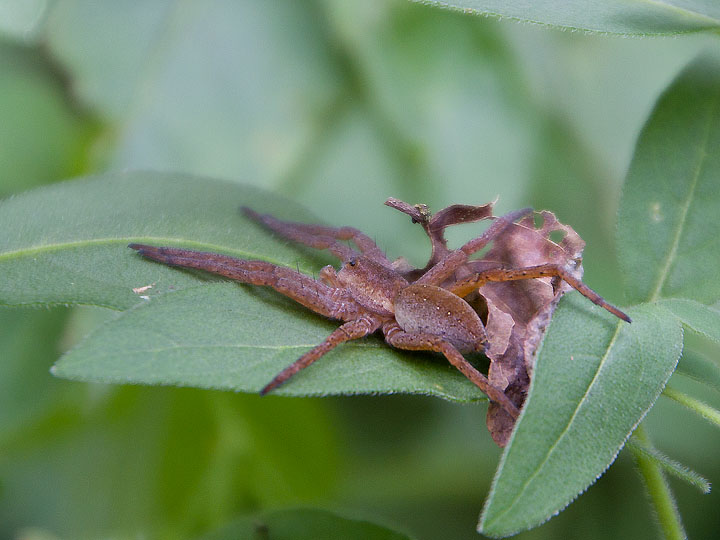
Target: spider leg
{"type": "Point", "coordinates": [348, 331]}
{"type": "Point", "coordinates": [322, 237]}
{"type": "Point", "coordinates": [455, 259]}
{"type": "Point", "coordinates": [463, 287]}
{"type": "Point", "coordinates": [412, 341]}
{"type": "Point", "coordinates": [328, 301]}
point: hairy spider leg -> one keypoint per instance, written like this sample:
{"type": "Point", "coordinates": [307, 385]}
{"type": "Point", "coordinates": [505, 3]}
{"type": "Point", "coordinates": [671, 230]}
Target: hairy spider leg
{"type": "Point", "coordinates": [455, 259]}
{"type": "Point", "coordinates": [471, 283]}
{"type": "Point", "coordinates": [322, 237]}
{"type": "Point", "coordinates": [347, 332]}
{"type": "Point", "coordinates": [328, 301]}
{"type": "Point", "coordinates": [416, 341]}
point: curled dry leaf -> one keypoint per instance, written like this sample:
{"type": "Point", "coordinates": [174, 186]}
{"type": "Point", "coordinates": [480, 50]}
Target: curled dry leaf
{"type": "Point", "coordinates": [516, 313]}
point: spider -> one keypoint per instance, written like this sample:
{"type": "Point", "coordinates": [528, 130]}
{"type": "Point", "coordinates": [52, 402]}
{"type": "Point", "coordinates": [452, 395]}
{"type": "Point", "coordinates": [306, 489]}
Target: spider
{"type": "Point", "coordinates": [370, 293]}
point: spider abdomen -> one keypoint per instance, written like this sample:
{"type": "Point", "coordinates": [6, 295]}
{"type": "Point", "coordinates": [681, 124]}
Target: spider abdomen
{"type": "Point", "coordinates": [433, 310]}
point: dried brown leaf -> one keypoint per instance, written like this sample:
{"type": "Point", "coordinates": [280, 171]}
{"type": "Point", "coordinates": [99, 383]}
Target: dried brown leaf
{"type": "Point", "coordinates": [516, 312]}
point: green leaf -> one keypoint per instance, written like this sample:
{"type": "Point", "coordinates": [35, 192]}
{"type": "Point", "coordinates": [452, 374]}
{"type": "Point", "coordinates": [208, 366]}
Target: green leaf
{"type": "Point", "coordinates": [698, 317]}
{"type": "Point", "coordinates": [594, 381]}
{"type": "Point", "coordinates": [238, 337]}
{"type": "Point", "coordinates": [67, 243]}
{"type": "Point", "coordinates": [303, 524]}
{"type": "Point", "coordinates": [668, 213]}
{"type": "Point", "coordinates": [612, 16]}
{"type": "Point", "coordinates": [219, 335]}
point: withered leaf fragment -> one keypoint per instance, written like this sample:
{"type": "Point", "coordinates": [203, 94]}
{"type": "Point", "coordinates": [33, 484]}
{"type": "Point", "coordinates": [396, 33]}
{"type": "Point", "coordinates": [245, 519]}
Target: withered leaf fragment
{"type": "Point", "coordinates": [516, 313]}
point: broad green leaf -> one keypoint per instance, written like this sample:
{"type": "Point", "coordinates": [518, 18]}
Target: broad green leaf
{"type": "Point", "coordinates": [303, 524]}
{"type": "Point", "coordinates": [595, 379]}
{"type": "Point", "coordinates": [234, 337]}
{"type": "Point", "coordinates": [668, 213]}
{"type": "Point", "coordinates": [67, 243]}
{"type": "Point", "coordinates": [637, 17]}
{"type": "Point", "coordinates": [698, 317]}
{"type": "Point", "coordinates": [223, 336]}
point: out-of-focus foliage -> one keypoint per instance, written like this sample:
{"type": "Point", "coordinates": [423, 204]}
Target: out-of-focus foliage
{"type": "Point", "coordinates": [335, 105]}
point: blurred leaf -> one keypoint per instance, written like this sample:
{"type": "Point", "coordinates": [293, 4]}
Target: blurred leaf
{"type": "Point", "coordinates": [29, 344]}
{"type": "Point", "coordinates": [67, 244]}
{"type": "Point", "coordinates": [167, 463]}
{"type": "Point", "coordinates": [21, 19]}
{"type": "Point", "coordinates": [599, 377]}
{"type": "Point", "coordinates": [698, 317]}
{"type": "Point", "coordinates": [42, 133]}
{"type": "Point", "coordinates": [234, 337]}
{"type": "Point", "coordinates": [303, 524]}
{"type": "Point", "coordinates": [670, 199]}
{"type": "Point", "coordinates": [568, 181]}
{"type": "Point", "coordinates": [444, 94]}
{"type": "Point", "coordinates": [611, 16]}
{"type": "Point", "coordinates": [232, 92]}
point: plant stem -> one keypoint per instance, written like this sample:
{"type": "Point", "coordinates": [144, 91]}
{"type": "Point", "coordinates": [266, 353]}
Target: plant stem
{"type": "Point", "coordinates": [661, 497]}
{"type": "Point", "coordinates": [706, 411]}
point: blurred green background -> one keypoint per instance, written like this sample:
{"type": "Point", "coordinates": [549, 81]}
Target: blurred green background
{"type": "Point", "coordinates": [337, 105]}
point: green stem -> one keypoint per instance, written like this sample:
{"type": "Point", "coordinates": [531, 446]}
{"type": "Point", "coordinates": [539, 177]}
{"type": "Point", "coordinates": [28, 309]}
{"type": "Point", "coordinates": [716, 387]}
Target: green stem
{"type": "Point", "coordinates": [706, 411]}
{"type": "Point", "coordinates": [658, 489]}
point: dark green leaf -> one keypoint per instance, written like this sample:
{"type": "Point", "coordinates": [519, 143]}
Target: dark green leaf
{"type": "Point", "coordinates": [238, 337]}
{"type": "Point", "coordinates": [611, 16]}
{"type": "Point", "coordinates": [595, 379]}
{"type": "Point", "coordinates": [668, 213]}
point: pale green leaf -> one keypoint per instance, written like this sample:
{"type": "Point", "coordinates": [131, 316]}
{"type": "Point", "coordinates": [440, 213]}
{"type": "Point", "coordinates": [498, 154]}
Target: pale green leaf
{"type": "Point", "coordinates": [595, 379]}
{"type": "Point", "coordinates": [303, 524]}
{"type": "Point", "coordinates": [637, 17]}
{"type": "Point", "coordinates": [668, 213]}
{"type": "Point", "coordinates": [67, 243]}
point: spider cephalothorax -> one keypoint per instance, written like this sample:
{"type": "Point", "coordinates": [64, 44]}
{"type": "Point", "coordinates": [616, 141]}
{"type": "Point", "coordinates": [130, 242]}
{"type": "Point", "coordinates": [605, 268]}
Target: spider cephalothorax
{"type": "Point", "coordinates": [415, 309]}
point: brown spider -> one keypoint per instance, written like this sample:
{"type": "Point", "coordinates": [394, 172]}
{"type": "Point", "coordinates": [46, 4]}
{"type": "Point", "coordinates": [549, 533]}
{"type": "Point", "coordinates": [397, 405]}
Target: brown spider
{"type": "Point", "coordinates": [369, 293]}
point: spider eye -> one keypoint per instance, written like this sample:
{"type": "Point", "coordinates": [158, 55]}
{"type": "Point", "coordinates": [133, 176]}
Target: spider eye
{"type": "Point", "coordinates": [352, 262]}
